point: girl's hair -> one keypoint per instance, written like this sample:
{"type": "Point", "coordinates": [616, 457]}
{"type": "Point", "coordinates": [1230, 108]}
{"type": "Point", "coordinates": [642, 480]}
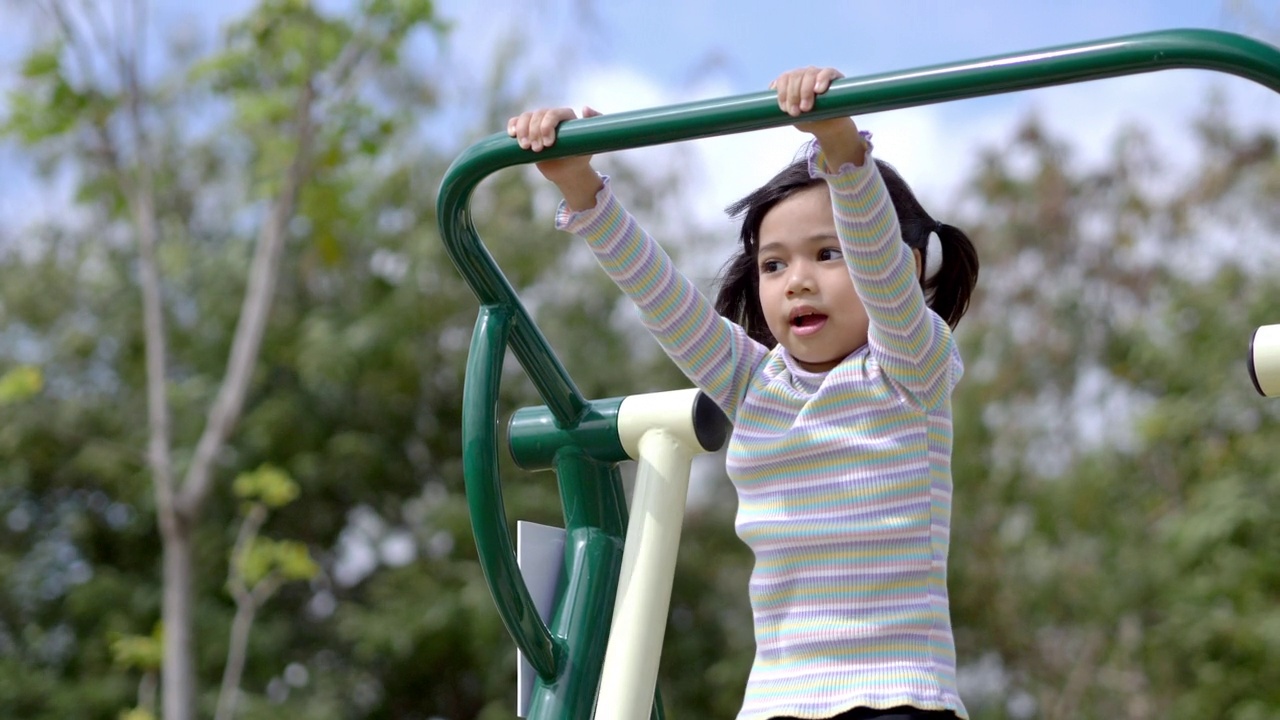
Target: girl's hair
{"type": "Point", "coordinates": [948, 291]}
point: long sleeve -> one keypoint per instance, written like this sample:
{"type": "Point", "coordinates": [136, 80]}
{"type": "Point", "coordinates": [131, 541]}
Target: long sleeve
{"type": "Point", "coordinates": [714, 353]}
{"type": "Point", "coordinates": [844, 495]}
{"type": "Point", "coordinates": [911, 344]}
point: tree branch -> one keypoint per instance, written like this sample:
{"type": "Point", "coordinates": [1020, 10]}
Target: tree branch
{"type": "Point", "coordinates": [1066, 704]}
{"type": "Point", "coordinates": [101, 31]}
{"type": "Point", "coordinates": [142, 205]}
{"type": "Point", "coordinates": [236, 654]}
{"type": "Point", "coordinates": [140, 32]}
{"type": "Point", "coordinates": [248, 531]}
{"type": "Point", "coordinates": [226, 408]}
{"type": "Point", "coordinates": [139, 195]}
{"type": "Point", "coordinates": [147, 687]}
{"type": "Point", "coordinates": [248, 601]}
{"type": "Point", "coordinates": [58, 10]}
{"type": "Point", "coordinates": [158, 448]}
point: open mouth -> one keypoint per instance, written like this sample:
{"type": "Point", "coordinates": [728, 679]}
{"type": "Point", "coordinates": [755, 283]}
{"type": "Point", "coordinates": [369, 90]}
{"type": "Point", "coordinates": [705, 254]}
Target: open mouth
{"type": "Point", "coordinates": [808, 322]}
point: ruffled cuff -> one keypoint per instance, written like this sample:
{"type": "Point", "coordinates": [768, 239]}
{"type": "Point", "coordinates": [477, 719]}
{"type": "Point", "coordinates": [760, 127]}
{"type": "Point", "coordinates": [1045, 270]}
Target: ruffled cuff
{"type": "Point", "coordinates": [817, 159]}
{"type": "Point", "coordinates": [573, 221]}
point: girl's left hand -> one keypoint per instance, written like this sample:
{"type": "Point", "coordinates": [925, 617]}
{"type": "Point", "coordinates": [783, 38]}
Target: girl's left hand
{"type": "Point", "coordinates": [796, 92]}
{"type": "Point", "coordinates": [797, 88]}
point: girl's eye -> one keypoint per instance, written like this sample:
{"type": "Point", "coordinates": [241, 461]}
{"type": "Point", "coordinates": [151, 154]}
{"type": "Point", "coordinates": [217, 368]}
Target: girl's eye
{"type": "Point", "coordinates": [830, 254]}
{"type": "Point", "coordinates": [770, 266]}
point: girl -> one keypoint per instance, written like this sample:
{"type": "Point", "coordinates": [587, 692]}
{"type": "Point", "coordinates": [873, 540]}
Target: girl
{"type": "Point", "coordinates": [837, 375]}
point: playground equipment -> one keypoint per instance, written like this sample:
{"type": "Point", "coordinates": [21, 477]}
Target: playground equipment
{"type": "Point", "coordinates": [617, 587]}
{"type": "Point", "coordinates": [1264, 360]}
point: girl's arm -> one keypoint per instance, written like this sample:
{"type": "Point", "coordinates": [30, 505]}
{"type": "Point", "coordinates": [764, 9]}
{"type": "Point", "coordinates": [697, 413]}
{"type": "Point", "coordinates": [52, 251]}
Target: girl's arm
{"type": "Point", "coordinates": [912, 345]}
{"type": "Point", "coordinates": [713, 352]}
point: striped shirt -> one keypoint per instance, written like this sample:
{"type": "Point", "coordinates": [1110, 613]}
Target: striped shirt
{"type": "Point", "coordinates": [843, 477]}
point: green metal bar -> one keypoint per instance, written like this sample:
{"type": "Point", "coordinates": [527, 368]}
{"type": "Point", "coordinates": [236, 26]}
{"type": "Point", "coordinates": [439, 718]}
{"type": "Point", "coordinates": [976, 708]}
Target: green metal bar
{"type": "Point", "coordinates": [595, 522]}
{"type": "Point", "coordinates": [594, 509]}
{"type": "Point", "coordinates": [1134, 54]}
{"type": "Point", "coordinates": [534, 438]}
{"type": "Point", "coordinates": [484, 493]}
{"type": "Point", "coordinates": [593, 561]}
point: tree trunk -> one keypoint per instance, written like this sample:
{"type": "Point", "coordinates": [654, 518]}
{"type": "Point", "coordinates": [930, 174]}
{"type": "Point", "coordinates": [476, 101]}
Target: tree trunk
{"type": "Point", "coordinates": [246, 608]}
{"type": "Point", "coordinates": [178, 677]}
{"type": "Point", "coordinates": [178, 506]}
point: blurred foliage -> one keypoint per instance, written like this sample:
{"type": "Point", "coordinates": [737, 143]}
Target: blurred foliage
{"type": "Point", "coordinates": [1115, 475]}
{"type": "Point", "coordinates": [1113, 463]}
{"type": "Point", "coordinates": [142, 652]}
{"type": "Point", "coordinates": [19, 384]}
{"type": "Point", "coordinates": [355, 398]}
{"type": "Point", "coordinates": [268, 484]}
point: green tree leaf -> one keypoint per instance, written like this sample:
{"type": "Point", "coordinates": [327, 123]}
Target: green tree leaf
{"type": "Point", "coordinates": [20, 383]}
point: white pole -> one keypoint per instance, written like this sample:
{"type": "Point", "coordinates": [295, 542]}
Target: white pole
{"type": "Point", "coordinates": [630, 671]}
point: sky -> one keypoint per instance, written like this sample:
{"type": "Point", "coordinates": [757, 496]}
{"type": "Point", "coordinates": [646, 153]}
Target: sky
{"type": "Point", "coordinates": [636, 55]}
{"type": "Point", "coordinates": [620, 56]}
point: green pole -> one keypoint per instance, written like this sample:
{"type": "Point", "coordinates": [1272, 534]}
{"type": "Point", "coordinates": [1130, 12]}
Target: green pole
{"type": "Point", "coordinates": [587, 481]}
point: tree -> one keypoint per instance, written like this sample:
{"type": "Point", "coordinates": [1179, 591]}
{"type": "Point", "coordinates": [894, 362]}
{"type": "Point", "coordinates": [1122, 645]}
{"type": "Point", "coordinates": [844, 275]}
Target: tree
{"type": "Point", "coordinates": [355, 392]}
{"type": "Point", "coordinates": [1110, 552]}
{"type": "Point", "coordinates": [291, 74]}
{"type": "Point", "coordinates": [1111, 454]}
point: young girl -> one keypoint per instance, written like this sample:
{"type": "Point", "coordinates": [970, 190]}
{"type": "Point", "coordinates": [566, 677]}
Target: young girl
{"type": "Point", "coordinates": [837, 374]}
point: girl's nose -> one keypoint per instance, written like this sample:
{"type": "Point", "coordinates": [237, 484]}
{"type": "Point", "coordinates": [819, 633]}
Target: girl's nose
{"type": "Point", "coordinates": [799, 279]}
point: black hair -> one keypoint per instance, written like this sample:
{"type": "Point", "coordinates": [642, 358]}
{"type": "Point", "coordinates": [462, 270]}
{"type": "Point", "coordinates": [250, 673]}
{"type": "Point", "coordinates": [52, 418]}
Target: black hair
{"type": "Point", "coordinates": [948, 290]}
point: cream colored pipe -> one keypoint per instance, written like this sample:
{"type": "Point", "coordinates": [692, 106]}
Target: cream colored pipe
{"type": "Point", "coordinates": [671, 411]}
{"type": "Point", "coordinates": [1264, 360]}
{"type": "Point", "coordinates": [656, 429]}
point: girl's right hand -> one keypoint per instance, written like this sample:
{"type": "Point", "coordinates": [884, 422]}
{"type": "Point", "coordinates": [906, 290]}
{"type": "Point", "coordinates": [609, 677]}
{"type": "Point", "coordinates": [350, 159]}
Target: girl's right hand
{"type": "Point", "coordinates": [536, 130]}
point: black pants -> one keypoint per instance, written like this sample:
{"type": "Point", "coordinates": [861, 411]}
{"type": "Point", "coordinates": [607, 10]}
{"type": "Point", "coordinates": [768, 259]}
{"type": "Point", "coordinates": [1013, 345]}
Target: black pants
{"type": "Point", "coordinates": [898, 713]}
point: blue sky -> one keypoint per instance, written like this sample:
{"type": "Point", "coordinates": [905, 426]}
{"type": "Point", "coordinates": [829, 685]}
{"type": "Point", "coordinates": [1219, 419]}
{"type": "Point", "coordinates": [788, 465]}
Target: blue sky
{"type": "Point", "coordinates": [862, 37]}
{"type": "Point", "coordinates": [639, 54]}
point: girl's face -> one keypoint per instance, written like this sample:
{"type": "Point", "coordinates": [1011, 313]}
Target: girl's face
{"type": "Point", "coordinates": [806, 292]}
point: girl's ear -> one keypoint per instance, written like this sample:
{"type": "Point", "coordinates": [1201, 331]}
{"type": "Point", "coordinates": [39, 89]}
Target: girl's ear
{"type": "Point", "coordinates": [915, 252]}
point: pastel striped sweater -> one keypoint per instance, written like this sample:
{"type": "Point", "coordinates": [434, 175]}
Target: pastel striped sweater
{"type": "Point", "coordinates": [843, 477]}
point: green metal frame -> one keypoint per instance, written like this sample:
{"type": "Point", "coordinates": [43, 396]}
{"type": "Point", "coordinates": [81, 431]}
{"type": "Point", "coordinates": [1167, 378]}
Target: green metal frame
{"type": "Point", "coordinates": [568, 654]}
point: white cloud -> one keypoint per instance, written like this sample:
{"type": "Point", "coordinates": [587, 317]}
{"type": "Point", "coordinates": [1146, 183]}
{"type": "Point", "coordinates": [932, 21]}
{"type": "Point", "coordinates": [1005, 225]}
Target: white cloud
{"type": "Point", "coordinates": [629, 58]}
{"type": "Point", "coordinates": [933, 146]}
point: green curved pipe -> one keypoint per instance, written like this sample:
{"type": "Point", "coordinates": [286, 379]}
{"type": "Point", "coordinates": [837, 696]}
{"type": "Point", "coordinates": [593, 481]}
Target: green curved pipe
{"type": "Point", "coordinates": [504, 320]}
{"type": "Point", "coordinates": [484, 492]}
{"type": "Point", "coordinates": [1134, 54]}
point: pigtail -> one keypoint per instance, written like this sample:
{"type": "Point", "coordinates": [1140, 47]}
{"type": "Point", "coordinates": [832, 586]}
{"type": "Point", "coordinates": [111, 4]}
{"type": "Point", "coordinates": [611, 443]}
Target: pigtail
{"type": "Point", "coordinates": [952, 286]}
{"type": "Point", "coordinates": [947, 290]}
{"type": "Point", "coordinates": [739, 298]}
